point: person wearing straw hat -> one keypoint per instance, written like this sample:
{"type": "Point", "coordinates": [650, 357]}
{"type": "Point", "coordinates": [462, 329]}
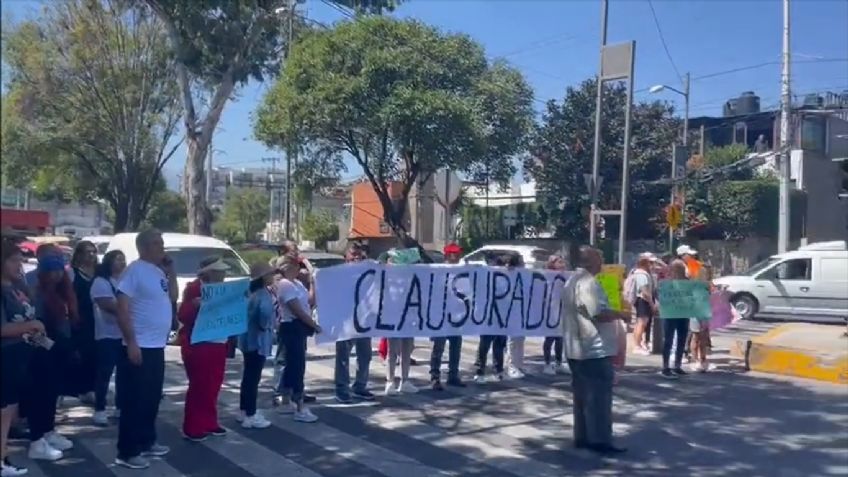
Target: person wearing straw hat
{"type": "Point", "coordinates": [263, 312]}
{"type": "Point", "coordinates": [204, 362]}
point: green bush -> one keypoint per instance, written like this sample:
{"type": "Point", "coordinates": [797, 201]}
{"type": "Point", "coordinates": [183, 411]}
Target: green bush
{"type": "Point", "coordinates": [254, 256]}
{"type": "Point", "coordinates": [749, 208]}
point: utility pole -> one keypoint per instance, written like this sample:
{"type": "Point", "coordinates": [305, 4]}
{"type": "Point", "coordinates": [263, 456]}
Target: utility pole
{"type": "Point", "coordinates": [271, 189]}
{"type": "Point", "coordinates": [785, 143]}
{"type": "Point", "coordinates": [291, 150]}
{"type": "Point", "coordinates": [596, 156]}
{"type": "Point", "coordinates": [209, 173]}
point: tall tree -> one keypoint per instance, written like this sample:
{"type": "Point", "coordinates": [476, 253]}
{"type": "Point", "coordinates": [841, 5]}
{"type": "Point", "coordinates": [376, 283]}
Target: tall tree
{"type": "Point", "coordinates": [561, 152]}
{"type": "Point", "coordinates": [93, 104]}
{"type": "Point", "coordinates": [244, 215]}
{"type": "Point", "coordinates": [404, 100]}
{"type": "Point", "coordinates": [219, 46]}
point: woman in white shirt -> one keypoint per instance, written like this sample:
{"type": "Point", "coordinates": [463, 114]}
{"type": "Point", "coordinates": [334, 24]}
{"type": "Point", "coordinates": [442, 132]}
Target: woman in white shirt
{"type": "Point", "coordinates": [107, 334]}
{"type": "Point", "coordinates": [296, 325]}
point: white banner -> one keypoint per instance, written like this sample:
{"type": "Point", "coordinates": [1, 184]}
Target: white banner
{"type": "Point", "coordinates": [395, 301]}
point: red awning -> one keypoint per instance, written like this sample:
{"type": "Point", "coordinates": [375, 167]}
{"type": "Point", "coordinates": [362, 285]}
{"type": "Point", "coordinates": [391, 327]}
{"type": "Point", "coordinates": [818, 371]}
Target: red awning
{"type": "Point", "coordinates": [16, 219]}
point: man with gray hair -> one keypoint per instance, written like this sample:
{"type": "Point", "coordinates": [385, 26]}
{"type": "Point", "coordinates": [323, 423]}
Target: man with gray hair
{"type": "Point", "coordinates": [590, 339]}
{"type": "Point", "coordinates": [146, 293]}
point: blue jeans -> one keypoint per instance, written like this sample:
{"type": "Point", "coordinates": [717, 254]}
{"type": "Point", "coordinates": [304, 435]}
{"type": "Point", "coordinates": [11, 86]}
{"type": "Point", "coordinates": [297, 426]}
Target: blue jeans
{"type": "Point", "coordinates": [108, 353]}
{"type": "Point", "coordinates": [453, 356]}
{"type": "Point", "coordinates": [363, 362]}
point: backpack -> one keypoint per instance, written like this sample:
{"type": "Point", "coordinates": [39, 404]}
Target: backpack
{"type": "Point", "coordinates": [629, 290]}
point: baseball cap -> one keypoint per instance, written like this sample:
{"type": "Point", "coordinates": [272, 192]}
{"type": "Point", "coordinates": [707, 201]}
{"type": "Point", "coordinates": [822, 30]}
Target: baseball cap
{"type": "Point", "coordinates": [452, 248]}
{"type": "Point", "coordinates": [686, 250]}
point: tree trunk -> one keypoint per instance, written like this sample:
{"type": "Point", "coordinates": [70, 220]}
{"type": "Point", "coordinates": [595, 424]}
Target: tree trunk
{"type": "Point", "coordinates": [194, 185]}
{"type": "Point", "coordinates": [122, 215]}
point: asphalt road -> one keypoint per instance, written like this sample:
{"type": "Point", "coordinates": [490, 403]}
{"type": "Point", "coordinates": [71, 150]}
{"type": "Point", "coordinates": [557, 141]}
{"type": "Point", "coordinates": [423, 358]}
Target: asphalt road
{"type": "Point", "coordinates": [723, 423]}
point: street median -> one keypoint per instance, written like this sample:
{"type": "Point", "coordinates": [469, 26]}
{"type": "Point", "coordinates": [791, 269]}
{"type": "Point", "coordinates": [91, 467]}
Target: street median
{"type": "Point", "coordinates": [800, 350]}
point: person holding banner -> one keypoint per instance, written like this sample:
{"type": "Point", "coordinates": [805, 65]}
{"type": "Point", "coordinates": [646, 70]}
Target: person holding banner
{"type": "Point", "coordinates": [590, 330]}
{"type": "Point", "coordinates": [497, 343]}
{"type": "Point", "coordinates": [675, 326]}
{"type": "Point", "coordinates": [354, 254]}
{"type": "Point", "coordinates": [296, 325]}
{"type": "Point", "coordinates": [263, 310]}
{"type": "Point", "coordinates": [400, 349]}
{"type": "Point", "coordinates": [146, 293]}
{"type": "Point", "coordinates": [555, 263]}
{"type": "Point", "coordinates": [204, 362]}
{"type": "Point", "coordinates": [452, 252]}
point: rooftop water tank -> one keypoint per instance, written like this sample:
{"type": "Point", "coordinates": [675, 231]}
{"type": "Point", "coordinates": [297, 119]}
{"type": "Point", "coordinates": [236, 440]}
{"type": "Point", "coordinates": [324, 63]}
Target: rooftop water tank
{"type": "Point", "coordinates": [729, 108]}
{"type": "Point", "coordinates": [747, 103]}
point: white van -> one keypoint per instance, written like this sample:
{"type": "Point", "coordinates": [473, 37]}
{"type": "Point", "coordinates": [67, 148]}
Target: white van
{"type": "Point", "coordinates": [186, 251]}
{"type": "Point", "coordinates": [810, 281]}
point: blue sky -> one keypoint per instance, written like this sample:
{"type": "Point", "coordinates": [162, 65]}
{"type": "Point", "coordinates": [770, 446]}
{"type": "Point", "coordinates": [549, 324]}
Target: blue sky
{"type": "Point", "coordinates": [555, 43]}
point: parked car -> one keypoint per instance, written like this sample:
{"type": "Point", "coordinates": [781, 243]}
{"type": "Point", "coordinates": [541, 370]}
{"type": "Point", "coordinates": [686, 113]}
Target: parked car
{"type": "Point", "coordinates": [186, 251]}
{"type": "Point", "coordinates": [321, 260]}
{"type": "Point", "coordinates": [530, 256]}
{"type": "Point", "coordinates": [811, 281]}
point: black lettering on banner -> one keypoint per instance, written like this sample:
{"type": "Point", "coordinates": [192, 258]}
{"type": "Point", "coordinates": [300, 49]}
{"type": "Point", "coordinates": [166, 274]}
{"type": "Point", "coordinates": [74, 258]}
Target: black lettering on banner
{"type": "Point", "coordinates": [485, 303]}
{"type": "Point", "coordinates": [414, 288]}
{"type": "Point", "coordinates": [380, 325]}
{"type": "Point", "coordinates": [554, 286]}
{"type": "Point", "coordinates": [356, 324]}
{"type": "Point", "coordinates": [517, 295]}
{"type": "Point", "coordinates": [496, 297]}
{"type": "Point", "coordinates": [429, 307]}
{"type": "Point", "coordinates": [536, 276]}
{"type": "Point", "coordinates": [468, 304]}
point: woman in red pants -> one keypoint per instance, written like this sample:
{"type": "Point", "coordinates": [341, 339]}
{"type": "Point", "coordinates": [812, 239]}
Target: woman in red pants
{"type": "Point", "coordinates": [204, 362]}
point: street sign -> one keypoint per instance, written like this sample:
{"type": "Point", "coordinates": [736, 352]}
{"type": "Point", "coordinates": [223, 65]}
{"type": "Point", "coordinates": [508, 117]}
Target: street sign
{"type": "Point", "coordinates": [447, 185]}
{"type": "Point", "coordinates": [510, 217]}
{"type": "Point", "coordinates": [673, 216]}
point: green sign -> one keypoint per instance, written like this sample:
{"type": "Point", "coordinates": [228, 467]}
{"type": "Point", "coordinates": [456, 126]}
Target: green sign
{"type": "Point", "coordinates": [611, 283]}
{"type": "Point", "coordinates": [684, 299]}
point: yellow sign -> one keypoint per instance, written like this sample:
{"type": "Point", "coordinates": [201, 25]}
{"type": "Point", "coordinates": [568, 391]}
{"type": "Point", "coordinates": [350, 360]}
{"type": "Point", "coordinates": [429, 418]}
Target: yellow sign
{"type": "Point", "coordinates": [673, 216]}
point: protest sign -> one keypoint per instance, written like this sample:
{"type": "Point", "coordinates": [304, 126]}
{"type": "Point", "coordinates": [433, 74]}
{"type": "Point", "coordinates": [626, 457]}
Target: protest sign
{"type": "Point", "coordinates": [223, 311]}
{"type": "Point", "coordinates": [684, 299]}
{"type": "Point", "coordinates": [611, 279]}
{"type": "Point", "coordinates": [394, 301]}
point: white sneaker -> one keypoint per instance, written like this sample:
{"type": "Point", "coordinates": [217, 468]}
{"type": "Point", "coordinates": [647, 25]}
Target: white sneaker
{"type": "Point", "coordinates": [549, 370]}
{"type": "Point", "coordinates": [7, 469]}
{"type": "Point", "coordinates": [561, 368]}
{"type": "Point", "coordinates": [514, 373]}
{"type": "Point", "coordinates": [695, 367]}
{"type": "Point", "coordinates": [41, 450]}
{"type": "Point", "coordinates": [391, 389]}
{"type": "Point", "coordinates": [58, 441]}
{"type": "Point", "coordinates": [100, 418]}
{"type": "Point", "coordinates": [240, 417]}
{"type": "Point", "coordinates": [407, 387]}
{"type": "Point", "coordinates": [305, 415]}
{"type": "Point", "coordinates": [641, 352]}
{"type": "Point", "coordinates": [256, 421]}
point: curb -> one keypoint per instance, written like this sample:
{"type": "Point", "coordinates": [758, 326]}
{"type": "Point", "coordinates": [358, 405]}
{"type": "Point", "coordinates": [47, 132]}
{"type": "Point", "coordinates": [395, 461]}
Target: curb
{"type": "Point", "coordinates": [763, 356]}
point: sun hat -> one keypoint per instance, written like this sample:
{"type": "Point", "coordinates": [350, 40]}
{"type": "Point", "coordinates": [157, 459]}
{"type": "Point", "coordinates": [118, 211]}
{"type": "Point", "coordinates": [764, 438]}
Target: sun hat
{"type": "Point", "coordinates": [260, 270]}
{"type": "Point", "coordinates": [212, 264]}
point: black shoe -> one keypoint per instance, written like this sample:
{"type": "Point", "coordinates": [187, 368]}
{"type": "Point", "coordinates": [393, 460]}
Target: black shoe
{"type": "Point", "coordinates": [456, 382]}
{"type": "Point", "coordinates": [198, 438]}
{"type": "Point", "coordinates": [666, 373]}
{"type": "Point", "coordinates": [679, 371]}
{"type": "Point", "coordinates": [219, 432]}
{"type": "Point", "coordinates": [606, 449]}
{"type": "Point", "coordinates": [436, 384]}
{"type": "Point", "coordinates": [309, 398]}
{"type": "Point", "coordinates": [365, 395]}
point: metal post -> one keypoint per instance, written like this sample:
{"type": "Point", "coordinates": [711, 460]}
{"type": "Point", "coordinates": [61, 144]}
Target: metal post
{"type": "Point", "coordinates": [785, 111]}
{"type": "Point", "coordinates": [625, 167]}
{"type": "Point", "coordinates": [447, 206]}
{"type": "Point", "coordinates": [596, 156]}
{"type": "Point", "coordinates": [288, 193]}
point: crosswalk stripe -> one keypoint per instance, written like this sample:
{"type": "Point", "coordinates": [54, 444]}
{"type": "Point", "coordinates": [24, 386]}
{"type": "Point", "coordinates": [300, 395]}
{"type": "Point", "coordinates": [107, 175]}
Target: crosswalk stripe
{"type": "Point", "coordinates": [102, 447]}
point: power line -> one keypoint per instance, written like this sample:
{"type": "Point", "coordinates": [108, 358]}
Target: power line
{"type": "Point", "coordinates": [662, 39]}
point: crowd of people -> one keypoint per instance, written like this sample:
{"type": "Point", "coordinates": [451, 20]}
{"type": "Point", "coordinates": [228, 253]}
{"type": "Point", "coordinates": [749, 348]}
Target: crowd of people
{"type": "Point", "coordinates": [67, 329]}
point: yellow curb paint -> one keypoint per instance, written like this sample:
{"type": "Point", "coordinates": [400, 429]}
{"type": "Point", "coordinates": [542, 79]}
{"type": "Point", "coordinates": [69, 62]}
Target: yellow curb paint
{"type": "Point", "coordinates": [798, 363]}
{"type": "Point", "coordinates": [773, 333]}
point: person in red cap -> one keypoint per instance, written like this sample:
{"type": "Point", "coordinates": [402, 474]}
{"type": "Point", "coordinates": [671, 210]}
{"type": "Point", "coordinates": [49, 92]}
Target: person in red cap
{"type": "Point", "coordinates": [452, 252]}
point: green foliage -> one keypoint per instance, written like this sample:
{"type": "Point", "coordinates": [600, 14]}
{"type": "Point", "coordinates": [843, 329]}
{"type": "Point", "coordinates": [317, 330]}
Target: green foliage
{"type": "Point", "coordinates": [167, 212]}
{"type": "Point", "coordinates": [479, 225]}
{"type": "Point", "coordinates": [374, 7]}
{"type": "Point", "coordinates": [741, 209]}
{"type": "Point", "coordinates": [91, 105]}
{"type": "Point", "coordinates": [561, 152]}
{"type": "Point", "coordinates": [244, 217]}
{"type": "Point", "coordinates": [256, 256]}
{"type": "Point", "coordinates": [321, 227]}
{"type": "Point", "coordinates": [404, 100]}
{"type": "Point", "coordinates": [727, 155]}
